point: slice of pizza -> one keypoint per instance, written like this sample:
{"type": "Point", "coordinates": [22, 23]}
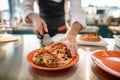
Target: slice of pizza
{"type": "Point", "coordinates": [90, 37]}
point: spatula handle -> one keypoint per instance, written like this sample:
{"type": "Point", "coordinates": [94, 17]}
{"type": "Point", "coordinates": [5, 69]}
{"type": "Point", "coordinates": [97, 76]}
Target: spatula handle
{"type": "Point", "coordinates": [39, 36]}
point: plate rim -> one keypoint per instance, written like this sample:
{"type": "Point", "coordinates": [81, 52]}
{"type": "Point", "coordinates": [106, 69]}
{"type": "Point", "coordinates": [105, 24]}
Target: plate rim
{"type": "Point", "coordinates": [105, 68]}
{"type": "Point", "coordinates": [29, 60]}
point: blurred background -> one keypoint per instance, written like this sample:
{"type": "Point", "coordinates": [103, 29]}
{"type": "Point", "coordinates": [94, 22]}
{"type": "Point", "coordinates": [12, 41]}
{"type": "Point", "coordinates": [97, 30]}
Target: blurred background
{"type": "Point", "coordinates": [103, 17]}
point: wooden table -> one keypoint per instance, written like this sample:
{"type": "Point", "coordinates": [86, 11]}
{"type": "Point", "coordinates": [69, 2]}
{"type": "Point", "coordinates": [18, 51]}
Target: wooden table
{"type": "Point", "coordinates": [14, 65]}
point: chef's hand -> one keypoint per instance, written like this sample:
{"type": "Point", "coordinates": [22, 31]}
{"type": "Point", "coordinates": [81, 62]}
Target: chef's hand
{"type": "Point", "coordinates": [69, 38]}
{"type": "Point", "coordinates": [38, 23]}
{"type": "Point", "coordinates": [70, 42]}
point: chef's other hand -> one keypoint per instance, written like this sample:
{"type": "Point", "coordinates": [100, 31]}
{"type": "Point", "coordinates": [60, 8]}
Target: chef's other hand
{"type": "Point", "coordinates": [38, 23]}
{"type": "Point", "coordinates": [70, 42]}
{"type": "Point", "coordinates": [69, 38]}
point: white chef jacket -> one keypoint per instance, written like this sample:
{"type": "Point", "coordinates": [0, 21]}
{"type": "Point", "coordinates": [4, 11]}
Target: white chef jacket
{"type": "Point", "coordinates": [77, 13]}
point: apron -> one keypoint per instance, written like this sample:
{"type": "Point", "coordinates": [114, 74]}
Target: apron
{"type": "Point", "coordinates": [54, 15]}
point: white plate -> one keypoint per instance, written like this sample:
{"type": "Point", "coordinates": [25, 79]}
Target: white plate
{"type": "Point", "coordinates": [102, 42]}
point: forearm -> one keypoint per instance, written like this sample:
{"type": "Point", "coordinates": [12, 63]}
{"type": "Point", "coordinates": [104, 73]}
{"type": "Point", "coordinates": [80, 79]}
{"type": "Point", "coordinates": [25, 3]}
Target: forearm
{"type": "Point", "coordinates": [31, 17]}
{"type": "Point", "coordinates": [74, 29]}
{"type": "Point", "coordinates": [77, 13]}
{"type": "Point", "coordinates": [27, 8]}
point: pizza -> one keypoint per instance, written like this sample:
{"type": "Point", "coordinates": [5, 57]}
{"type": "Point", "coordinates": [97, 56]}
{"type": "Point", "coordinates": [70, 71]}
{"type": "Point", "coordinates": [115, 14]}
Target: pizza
{"type": "Point", "coordinates": [90, 37]}
{"type": "Point", "coordinates": [54, 55]}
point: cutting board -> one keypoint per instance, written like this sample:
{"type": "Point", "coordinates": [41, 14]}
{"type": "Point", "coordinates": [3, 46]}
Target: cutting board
{"type": "Point", "coordinates": [9, 38]}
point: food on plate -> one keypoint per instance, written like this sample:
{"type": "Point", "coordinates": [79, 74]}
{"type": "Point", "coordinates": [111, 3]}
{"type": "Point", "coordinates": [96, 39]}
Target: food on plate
{"type": "Point", "coordinates": [55, 55]}
{"type": "Point", "coordinates": [90, 37]}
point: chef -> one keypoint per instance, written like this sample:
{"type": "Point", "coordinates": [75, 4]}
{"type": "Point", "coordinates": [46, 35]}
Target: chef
{"type": "Point", "coordinates": [52, 19]}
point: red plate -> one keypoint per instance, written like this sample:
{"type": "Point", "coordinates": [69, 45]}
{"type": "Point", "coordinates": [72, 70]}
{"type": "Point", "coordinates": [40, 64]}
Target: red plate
{"type": "Point", "coordinates": [108, 61]}
{"type": "Point", "coordinates": [30, 55]}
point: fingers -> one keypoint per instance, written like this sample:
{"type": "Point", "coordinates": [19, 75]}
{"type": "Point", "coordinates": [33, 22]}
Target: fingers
{"type": "Point", "coordinates": [45, 26]}
{"type": "Point", "coordinates": [40, 26]}
{"type": "Point", "coordinates": [40, 29]}
{"type": "Point", "coordinates": [73, 50]}
{"type": "Point", "coordinates": [72, 47]}
{"type": "Point", "coordinates": [38, 23]}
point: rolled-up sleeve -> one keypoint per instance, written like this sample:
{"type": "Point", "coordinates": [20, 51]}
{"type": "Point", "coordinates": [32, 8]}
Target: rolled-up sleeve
{"type": "Point", "coordinates": [77, 13]}
{"type": "Point", "coordinates": [27, 8]}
